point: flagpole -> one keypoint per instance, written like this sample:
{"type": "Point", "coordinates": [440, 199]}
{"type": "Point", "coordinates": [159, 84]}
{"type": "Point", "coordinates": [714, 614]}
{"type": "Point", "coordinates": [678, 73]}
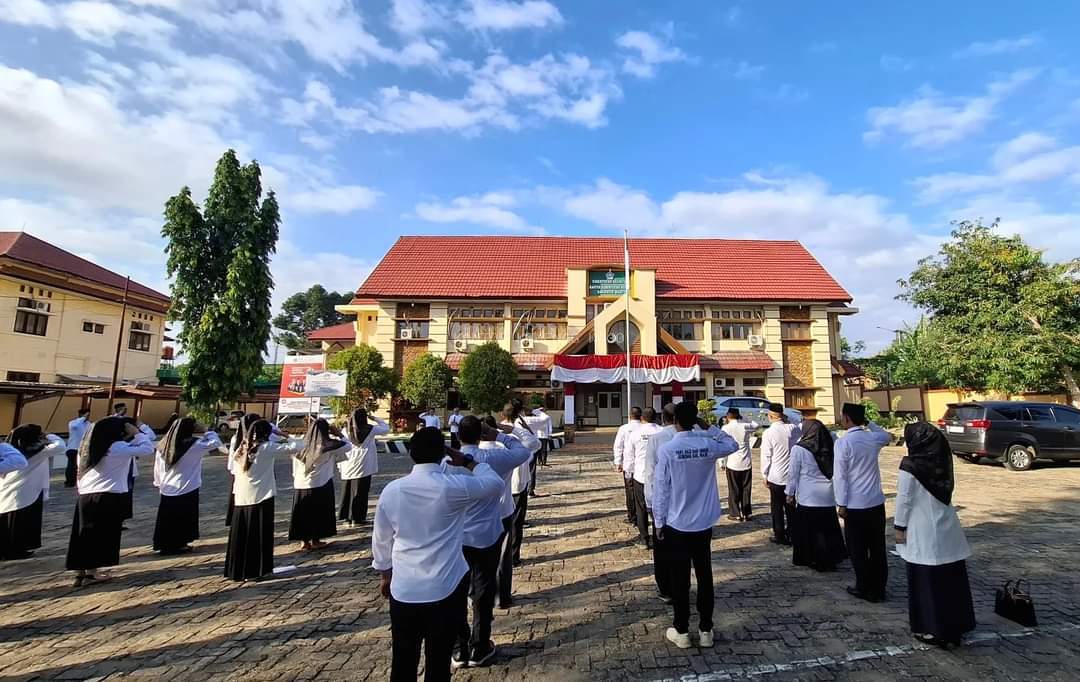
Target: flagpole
{"type": "Point", "coordinates": [626, 263]}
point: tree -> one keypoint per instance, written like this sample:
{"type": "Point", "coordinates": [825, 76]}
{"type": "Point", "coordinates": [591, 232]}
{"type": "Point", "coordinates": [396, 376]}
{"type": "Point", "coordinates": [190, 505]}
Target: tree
{"type": "Point", "coordinates": [486, 377]}
{"type": "Point", "coordinates": [914, 358]}
{"type": "Point", "coordinates": [849, 350]}
{"type": "Point", "coordinates": [306, 311]}
{"type": "Point", "coordinates": [1002, 318]}
{"type": "Point", "coordinates": [219, 261]}
{"type": "Point", "coordinates": [425, 381]}
{"type": "Point", "coordinates": [369, 381]}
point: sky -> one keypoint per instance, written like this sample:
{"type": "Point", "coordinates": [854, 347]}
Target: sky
{"type": "Point", "coordinates": [860, 130]}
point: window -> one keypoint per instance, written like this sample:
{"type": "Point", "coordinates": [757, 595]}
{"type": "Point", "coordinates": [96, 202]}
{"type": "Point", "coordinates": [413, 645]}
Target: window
{"type": "Point", "coordinates": [139, 338]}
{"type": "Point", "coordinates": [540, 324]}
{"type": "Point", "coordinates": [419, 329]}
{"type": "Point", "coordinates": [795, 331]}
{"type": "Point", "coordinates": [616, 401]}
{"type": "Point", "coordinates": [719, 314]}
{"type": "Point", "coordinates": [1066, 416]}
{"type": "Point", "coordinates": [1011, 413]}
{"type": "Point", "coordinates": [601, 400]}
{"type": "Point", "coordinates": [753, 381]}
{"type": "Point", "coordinates": [722, 331]}
{"type": "Point", "coordinates": [93, 328]}
{"type": "Point", "coordinates": [31, 317]}
{"type": "Point", "coordinates": [594, 309]}
{"type": "Point", "coordinates": [475, 331]}
{"type": "Point", "coordinates": [31, 377]}
{"type": "Point", "coordinates": [488, 312]}
{"type": "Point", "coordinates": [1040, 414]}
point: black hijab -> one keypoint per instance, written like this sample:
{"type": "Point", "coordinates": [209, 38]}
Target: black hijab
{"type": "Point", "coordinates": [317, 443]}
{"type": "Point", "coordinates": [95, 445]}
{"type": "Point", "coordinates": [178, 440]}
{"type": "Point", "coordinates": [819, 442]}
{"type": "Point", "coordinates": [28, 439]}
{"type": "Point", "coordinates": [359, 428]}
{"type": "Point", "coordinates": [929, 459]}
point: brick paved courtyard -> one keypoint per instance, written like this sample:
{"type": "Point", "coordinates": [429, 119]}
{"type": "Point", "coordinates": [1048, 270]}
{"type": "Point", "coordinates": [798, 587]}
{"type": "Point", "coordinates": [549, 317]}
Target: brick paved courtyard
{"type": "Point", "coordinates": [586, 610]}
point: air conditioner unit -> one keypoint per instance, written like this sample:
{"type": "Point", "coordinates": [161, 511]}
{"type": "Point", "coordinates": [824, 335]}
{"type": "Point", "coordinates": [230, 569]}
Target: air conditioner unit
{"type": "Point", "coordinates": [461, 345]}
{"type": "Point", "coordinates": [555, 383]}
{"type": "Point", "coordinates": [526, 344]}
{"type": "Point", "coordinates": [719, 382]}
{"type": "Point", "coordinates": [756, 340]}
{"type": "Point", "coordinates": [406, 334]}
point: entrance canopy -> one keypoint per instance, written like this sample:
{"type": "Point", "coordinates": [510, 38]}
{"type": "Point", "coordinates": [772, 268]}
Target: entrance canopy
{"type": "Point", "coordinates": [611, 369]}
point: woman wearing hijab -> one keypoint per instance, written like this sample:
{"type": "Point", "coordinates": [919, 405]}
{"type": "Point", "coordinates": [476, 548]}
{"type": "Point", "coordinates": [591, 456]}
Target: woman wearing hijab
{"type": "Point", "coordinates": [245, 423]}
{"type": "Point", "coordinates": [313, 485]}
{"type": "Point", "coordinates": [250, 552]}
{"type": "Point", "coordinates": [105, 456]}
{"type": "Point", "coordinates": [931, 541]}
{"type": "Point", "coordinates": [361, 464]}
{"type": "Point", "coordinates": [178, 476]}
{"type": "Point", "coordinates": [23, 491]}
{"type": "Point", "coordinates": [816, 538]}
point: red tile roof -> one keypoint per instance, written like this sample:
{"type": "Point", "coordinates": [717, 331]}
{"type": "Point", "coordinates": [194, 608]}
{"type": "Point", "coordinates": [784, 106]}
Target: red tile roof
{"type": "Point", "coordinates": [363, 301]}
{"type": "Point", "coordinates": [535, 267]}
{"type": "Point", "coordinates": [336, 332]}
{"type": "Point", "coordinates": [737, 360]}
{"type": "Point", "coordinates": [527, 362]}
{"type": "Point", "coordinates": [27, 248]}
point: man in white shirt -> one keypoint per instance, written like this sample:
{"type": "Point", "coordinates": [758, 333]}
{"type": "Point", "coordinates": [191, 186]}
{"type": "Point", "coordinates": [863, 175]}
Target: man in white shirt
{"type": "Point", "coordinates": [520, 481]}
{"type": "Point", "coordinates": [622, 437]}
{"type": "Point", "coordinates": [860, 501]}
{"type": "Point", "coordinates": [454, 421]}
{"type": "Point", "coordinates": [416, 545]}
{"type": "Point", "coordinates": [635, 463]}
{"type": "Point", "coordinates": [428, 419]}
{"type": "Point", "coordinates": [776, 446]}
{"type": "Point", "coordinates": [686, 505]}
{"type": "Point", "coordinates": [738, 467]}
{"type": "Point", "coordinates": [77, 428]}
{"type": "Point", "coordinates": [660, 568]}
{"type": "Point", "coordinates": [543, 432]}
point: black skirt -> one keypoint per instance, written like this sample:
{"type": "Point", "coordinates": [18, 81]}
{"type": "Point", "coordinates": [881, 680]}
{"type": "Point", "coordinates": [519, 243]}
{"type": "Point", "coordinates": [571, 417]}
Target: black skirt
{"type": "Point", "coordinates": [313, 513]}
{"type": "Point", "coordinates": [816, 538]}
{"type": "Point", "coordinates": [939, 600]}
{"type": "Point", "coordinates": [354, 500]}
{"type": "Point", "coordinates": [250, 552]}
{"type": "Point", "coordinates": [20, 530]}
{"type": "Point", "coordinates": [95, 531]}
{"type": "Point", "coordinates": [177, 521]}
{"type": "Point", "coordinates": [129, 499]}
{"type": "Point", "coordinates": [232, 501]}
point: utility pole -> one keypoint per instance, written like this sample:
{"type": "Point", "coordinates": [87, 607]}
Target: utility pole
{"type": "Point", "coordinates": [119, 341]}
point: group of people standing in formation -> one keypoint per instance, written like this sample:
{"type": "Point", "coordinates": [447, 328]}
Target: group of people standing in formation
{"type": "Point", "coordinates": [814, 482]}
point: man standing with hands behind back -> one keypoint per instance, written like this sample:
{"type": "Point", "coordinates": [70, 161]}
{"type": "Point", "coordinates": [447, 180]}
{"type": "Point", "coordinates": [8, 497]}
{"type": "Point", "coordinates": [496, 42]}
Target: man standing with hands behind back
{"type": "Point", "coordinates": [776, 446]}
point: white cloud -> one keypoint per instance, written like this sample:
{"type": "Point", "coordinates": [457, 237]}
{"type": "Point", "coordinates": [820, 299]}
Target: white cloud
{"type": "Point", "coordinates": [933, 120]}
{"type": "Point", "coordinates": [645, 51]}
{"type": "Point", "coordinates": [733, 16]}
{"type": "Point", "coordinates": [417, 17]}
{"type": "Point", "coordinates": [90, 20]}
{"type": "Point", "coordinates": [338, 199]}
{"type": "Point", "coordinates": [612, 205]}
{"type": "Point", "coordinates": [1057, 233]}
{"type": "Point", "coordinates": [297, 266]}
{"type": "Point", "coordinates": [1003, 46]}
{"type": "Point", "coordinates": [747, 71]}
{"type": "Point", "coordinates": [896, 63]}
{"type": "Point", "coordinates": [488, 210]}
{"type": "Point", "coordinates": [507, 15]}
{"type": "Point", "coordinates": [785, 93]}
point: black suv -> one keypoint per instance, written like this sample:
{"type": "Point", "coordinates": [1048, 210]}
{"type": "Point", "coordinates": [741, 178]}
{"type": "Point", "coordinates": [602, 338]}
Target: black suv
{"type": "Point", "coordinates": [1017, 433]}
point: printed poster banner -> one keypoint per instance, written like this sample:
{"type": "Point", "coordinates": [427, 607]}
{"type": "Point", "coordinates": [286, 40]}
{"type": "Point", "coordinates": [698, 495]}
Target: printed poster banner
{"type": "Point", "coordinates": [299, 405]}
{"type": "Point", "coordinates": [326, 383]}
{"type": "Point", "coordinates": [294, 373]}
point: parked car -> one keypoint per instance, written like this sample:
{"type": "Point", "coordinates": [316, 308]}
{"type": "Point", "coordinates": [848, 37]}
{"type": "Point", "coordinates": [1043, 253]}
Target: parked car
{"type": "Point", "coordinates": [752, 409]}
{"type": "Point", "coordinates": [1016, 433]}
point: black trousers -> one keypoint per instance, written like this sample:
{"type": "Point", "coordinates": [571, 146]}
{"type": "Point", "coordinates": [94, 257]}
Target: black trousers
{"type": "Point", "coordinates": [506, 560]}
{"type": "Point", "coordinates": [738, 492]}
{"type": "Point", "coordinates": [435, 625]}
{"type": "Point", "coordinates": [641, 512]}
{"type": "Point", "coordinates": [631, 508]}
{"type": "Point", "coordinates": [545, 449]}
{"type": "Point", "coordinates": [521, 502]}
{"type": "Point", "coordinates": [782, 512]}
{"type": "Point", "coordinates": [483, 586]}
{"type": "Point", "coordinates": [69, 470]}
{"type": "Point", "coordinates": [864, 532]}
{"type": "Point", "coordinates": [532, 473]}
{"type": "Point", "coordinates": [661, 569]}
{"type": "Point", "coordinates": [455, 442]}
{"type": "Point", "coordinates": [686, 550]}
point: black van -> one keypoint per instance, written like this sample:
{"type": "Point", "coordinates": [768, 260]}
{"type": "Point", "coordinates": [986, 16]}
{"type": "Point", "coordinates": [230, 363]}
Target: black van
{"type": "Point", "coordinates": [1016, 433]}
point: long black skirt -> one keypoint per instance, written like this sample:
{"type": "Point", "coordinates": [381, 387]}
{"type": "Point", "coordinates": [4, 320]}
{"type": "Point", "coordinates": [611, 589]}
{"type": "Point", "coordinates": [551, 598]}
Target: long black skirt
{"type": "Point", "coordinates": [129, 496]}
{"type": "Point", "coordinates": [232, 501]}
{"type": "Point", "coordinates": [939, 600]}
{"type": "Point", "coordinates": [313, 513]}
{"type": "Point", "coordinates": [250, 552]}
{"type": "Point", "coordinates": [20, 530]}
{"type": "Point", "coordinates": [816, 538]}
{"type": "Point", "coordinates": [354, 500]}
{"type": "Point", "coordinates": [177, 522]}
{"type": "Point", "coordinates": [95, 531]}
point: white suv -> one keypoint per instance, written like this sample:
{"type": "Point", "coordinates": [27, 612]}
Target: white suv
{"type": "Point", "coordinates": [751, 409]}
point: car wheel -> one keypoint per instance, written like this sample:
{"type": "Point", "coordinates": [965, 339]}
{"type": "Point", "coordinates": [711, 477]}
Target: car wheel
{"type": "Point", "coordinates": [1019, 457]}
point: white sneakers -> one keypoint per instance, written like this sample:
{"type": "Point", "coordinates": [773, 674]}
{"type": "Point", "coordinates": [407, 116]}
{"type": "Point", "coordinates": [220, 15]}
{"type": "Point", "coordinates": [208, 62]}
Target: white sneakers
{"type": "Point", "coordinates": [705, 639]}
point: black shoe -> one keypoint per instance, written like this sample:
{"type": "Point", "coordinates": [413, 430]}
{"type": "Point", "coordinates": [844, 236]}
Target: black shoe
{"type": "Point", "coordinates": [780, 541]}
{"type": "Point", "coordinates": [482, 655]}
{"type": "Point", "coordinates": [460, 659]}
{"type": "Point", "coordinates": [875, 598]}
{"type": "Point", "coordinates": [857, 593]}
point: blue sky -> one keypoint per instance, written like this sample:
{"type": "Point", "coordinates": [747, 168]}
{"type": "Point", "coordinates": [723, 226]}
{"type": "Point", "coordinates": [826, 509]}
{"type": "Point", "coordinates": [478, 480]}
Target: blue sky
{"type": "Point", "coordinates": [861, 131]}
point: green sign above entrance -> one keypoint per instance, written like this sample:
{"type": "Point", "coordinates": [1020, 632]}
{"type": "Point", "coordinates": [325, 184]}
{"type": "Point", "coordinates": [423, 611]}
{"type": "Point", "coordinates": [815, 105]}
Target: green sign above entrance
{"type": "Point", "coordinates": [607, 283]}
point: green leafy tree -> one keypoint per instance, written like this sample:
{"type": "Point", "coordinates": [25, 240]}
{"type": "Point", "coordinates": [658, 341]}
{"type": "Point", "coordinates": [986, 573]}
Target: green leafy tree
{"type": "Point", "coordinates": [1003, 319]}
{"type": "Point", "coordinates": [425, 381]}
{"type": "Point", "coordinates": [914, 358]}
{"type": "Point", "coordinates": [306, 311]}
{"type": "Point", "coordinates": [487, 376]}
{"type": "Point", "coordinates": [219, 261]}
{"type": "Point", "coordinates": [850, 350]}
{"type": "Point", "coordinates": [369, 381]}
{"type": "Point", "coordinates": [706, 410]}
{"type": "Point", "coordinates": [535, 401]}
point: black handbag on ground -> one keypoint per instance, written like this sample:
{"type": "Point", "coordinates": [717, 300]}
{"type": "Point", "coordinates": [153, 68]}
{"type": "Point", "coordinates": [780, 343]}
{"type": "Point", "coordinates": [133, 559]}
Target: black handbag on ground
{"type": "Point", "coordinates": [1013, 603]}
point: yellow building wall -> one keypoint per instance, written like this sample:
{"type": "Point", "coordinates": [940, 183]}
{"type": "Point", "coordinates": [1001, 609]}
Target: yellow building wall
{"type": "Point", "coordinates": [770, 330]}
{"type": "Point", "coordinates": [822, 353]}
{"type": "Point", "coordinates": [438, 329]}
{"type": "Point", "coordinates": [642, 313]}
{"type": "Point", "coordinates": [384, 332]}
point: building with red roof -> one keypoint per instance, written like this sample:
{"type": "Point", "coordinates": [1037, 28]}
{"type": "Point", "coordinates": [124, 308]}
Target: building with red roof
{"type": "Point", "coordinates": [702, 317]}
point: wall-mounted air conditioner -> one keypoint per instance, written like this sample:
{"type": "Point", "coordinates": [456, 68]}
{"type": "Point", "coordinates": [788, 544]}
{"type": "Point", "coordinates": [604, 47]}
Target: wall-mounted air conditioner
{"type": "Point", "coordinates": [756, 340]}
{"type": "Point", "coordinates": [719, 382]}
{"type": "Point", "coordinates": [406, 334]}
{"type": "Point", "coordinates": [526, 344]}
{"type": "Point", "coordinates": [461, 345]}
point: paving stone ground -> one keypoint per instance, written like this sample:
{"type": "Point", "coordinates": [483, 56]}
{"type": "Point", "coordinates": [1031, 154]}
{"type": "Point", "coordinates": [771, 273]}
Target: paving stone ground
{"type": "Point", "coordinates": [586, 608]}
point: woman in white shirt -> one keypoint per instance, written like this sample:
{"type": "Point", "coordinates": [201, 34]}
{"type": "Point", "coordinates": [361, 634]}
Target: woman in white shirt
{"type": "Point", "coordinates": [178, 476]}
{"type": "Point", "coordinates": [23, 492]}
{"type": "Point", "coordinates": [245, 423]}
{"type": "Point", "coordinates": [361, 464]}
{"type": "Point", "coordinates": [313, 515]}
{"type": "Point", "coordinates": [931, 541]}
{"type": "Point", "coordinates": [250, 552]}
{"type": "Point", "coordinates": [815, 534]}
{"type": "Point", "coordinates": [105, 457]}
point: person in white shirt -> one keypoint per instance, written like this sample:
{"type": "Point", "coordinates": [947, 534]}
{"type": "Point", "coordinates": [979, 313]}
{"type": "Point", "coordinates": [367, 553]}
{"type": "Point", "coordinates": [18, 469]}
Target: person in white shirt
{"type": "Point", "coordinates": [931, 541]}
{"type": "Point", "coordinates": [430, 420]}
{"type": "Point", "coordinates": [543, 432]}
{"type": "Point", "coordinates": [520, 482]}
{"type": "Point", "coordinates": [249, 554]}
{"type": "Point", "coordinates": [664, 435]}
{"type": "Point", "coordinates": [24, 489]}
{"type": "Point", "coordinates": [454, 421]}
{"type": "Point", "coordinates": [313, 515]}
{"type": "Point", "coordinates": [515, 505]}
{"type": "Point", "coordinates": [416, 545]}
{"type": "Point", "coordinates": [815, 530]}
{"type": "Point", "coordinates": [622, 437]}
{"type": "Point", "coordinates": [860, 501]}
{"type": "Point", "coordinates": [634, 462]}
{"type": "Point", "coordinates": [361, 464]}
{"type": "Point", "coordinates": [485, 532]}
{"type": "Point", "coordinates": [120, 410]}
{"type": "Point", "coordinates": [686, 506]}
{"type": "Point", "coordinates": [77, 428]}
{"type": "Point", "coordinates": [776, 446]}
{"type": "Point", "coordinates": [178, 477]}
{"type": "Point", "coordinates": [276, 436]}
{"type": "Point", "coordinates": [105, 457]}
{"type": "Point", "coordinates": [537, 424]}
{"type": "Point", "coordinates": [738, 467]}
